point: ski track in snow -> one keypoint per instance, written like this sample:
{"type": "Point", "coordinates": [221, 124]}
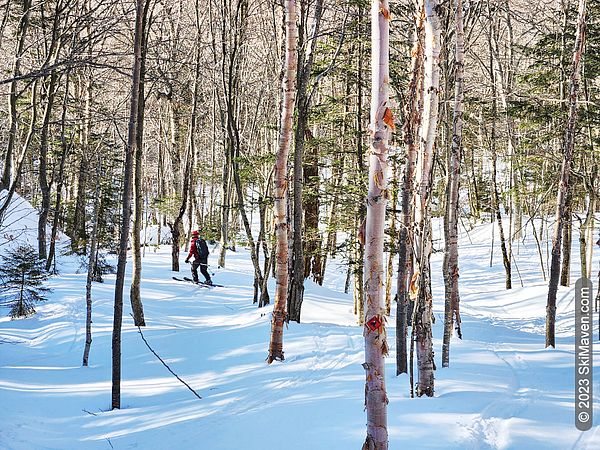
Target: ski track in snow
{"type": "Point", "coordinates": [503, 390]}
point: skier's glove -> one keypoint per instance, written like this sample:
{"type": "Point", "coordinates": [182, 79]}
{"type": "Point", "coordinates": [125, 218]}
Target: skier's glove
{"type": "Point", "coordinates": [187, 261]}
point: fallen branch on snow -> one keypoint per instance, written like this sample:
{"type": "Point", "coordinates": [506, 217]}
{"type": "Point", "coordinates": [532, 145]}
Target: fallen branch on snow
{"type": "Point", "coordinates": [165, 364]}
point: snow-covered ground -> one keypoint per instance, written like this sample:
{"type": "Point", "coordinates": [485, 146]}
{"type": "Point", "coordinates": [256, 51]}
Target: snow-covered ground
{"type": "Point", "coordinates": [503, 390]}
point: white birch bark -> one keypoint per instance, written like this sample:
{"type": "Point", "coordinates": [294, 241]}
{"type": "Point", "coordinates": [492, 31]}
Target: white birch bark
{"type": "Point", "coordinates": [381, 124]}
{"type": "Point", "coordinates": [422, 326]}
{"type": "Point", "coordinates": [281, 224]}
{"type": "Point", "coordinates": [451, 256]}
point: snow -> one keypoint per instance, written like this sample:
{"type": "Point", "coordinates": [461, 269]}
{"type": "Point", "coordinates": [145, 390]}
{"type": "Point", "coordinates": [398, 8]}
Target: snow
{"type": "Point", "coordinates": [503, 390]}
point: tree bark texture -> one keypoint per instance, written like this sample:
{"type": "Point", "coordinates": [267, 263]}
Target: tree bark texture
{"type": "Point", "coordinates": [135, 297]}
{"type": "Point", "coordinates": [563, 188]}
{"type": "Point", "coordinates": [451, 314]}
{"type": "Point", "coordinates": [126, 212]}
{"type": "Point", "coordinates": [92, 257]}
{"type": "Point", "coordinates": [280, 181]}
{"type": "Point", "coordinates": [406, 234]}
{"type": "Point", "coordinates": [423, 314]}
{"type": "Point", "coordinates": [7, 174]}
{"type": "Point", "coordinates": [381, 126]}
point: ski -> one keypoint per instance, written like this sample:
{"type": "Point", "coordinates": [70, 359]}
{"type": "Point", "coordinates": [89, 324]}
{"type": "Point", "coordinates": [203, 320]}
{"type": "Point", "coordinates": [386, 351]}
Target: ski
{"type": "Point", "coordinates": [189, 280]}
{"type": "Point", "coordinates": [203, 283]}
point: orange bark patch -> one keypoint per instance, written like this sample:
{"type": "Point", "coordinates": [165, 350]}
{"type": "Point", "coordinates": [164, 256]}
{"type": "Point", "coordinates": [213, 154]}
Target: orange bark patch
{"type": "Point", "coordinates": [413, 288]}
{"type": "Point", "coordinates": [388, 119]}
{"type": "Point", "coordinates": [385, 13]}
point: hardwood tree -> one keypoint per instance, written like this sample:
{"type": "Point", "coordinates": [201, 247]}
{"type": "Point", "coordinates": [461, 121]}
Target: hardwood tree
{"type": "Point", "coordinates": [126, 212]}
{"type": "Point", "coordinates": [564, 186]}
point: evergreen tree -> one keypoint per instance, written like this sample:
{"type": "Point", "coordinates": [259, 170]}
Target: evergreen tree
{"type": "Point", "coordinates": [23, 276]}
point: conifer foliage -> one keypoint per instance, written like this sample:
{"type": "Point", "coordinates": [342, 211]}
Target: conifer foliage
{"type": "Point", "coordinates": [22, 281]}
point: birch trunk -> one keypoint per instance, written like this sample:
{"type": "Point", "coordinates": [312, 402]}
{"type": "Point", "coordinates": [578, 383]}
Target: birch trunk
{"type": "Point", "coordinates": [280, 188]}
{"type": "Point", "coordinates": [381, 126]}
{"type": "Point", "coordinates": [423, 314]}
{"type": "Point", "coordinates": [451, 238]}
{"type": "Point", "coordinates": [563, 190]}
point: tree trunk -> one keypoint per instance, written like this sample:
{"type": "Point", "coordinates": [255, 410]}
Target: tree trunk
{"type": "Point", "coordinates": [392, 243]}
{"type": "Point", "coordinates": [43, 167]}
{"type": "Point", "coordinates": [506, 257]}
{"type": "Point", "coordinates": [382, 124]}
{"type": "Point", "coordinates": [138, 181]}
{"type": "Point", "coordinates": [358, 231]}
{"type": "Point", "coordinates": [78, 223]}
{"type": "Point", "coordinates": [60, 181]}
{"type": "Point", "coordinates": [406, 235]}
{"type": "Point", "coordinates": [567, 240]}
{"type": "Point", "coordinates": [45, 186]}
{"type": "Point", "coordinates": [8, 175]}
{"type": "Point", "coordinates": [280, 187]}
{"type": "Point", "coordinates": [298, 269]}
{"type": "Point", "coordinates": [563, 190]}
{"type": "Point", "coordinates": [21, 160]}
{"type": "Point", "coordinates": [584, 238]}
{"type": "Point", "coordinates": [92, 258]}
{"type": "Point", "coordinates": [126, 212]}
{"type": "Point", "coordinates": [452, 205]}
{"type": "Point", "coordinates": [423, 315]}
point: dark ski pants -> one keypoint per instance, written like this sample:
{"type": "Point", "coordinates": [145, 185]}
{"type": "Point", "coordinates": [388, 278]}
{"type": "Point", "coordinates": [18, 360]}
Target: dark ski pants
{"type": "Point", "coordinates": [203, 268]}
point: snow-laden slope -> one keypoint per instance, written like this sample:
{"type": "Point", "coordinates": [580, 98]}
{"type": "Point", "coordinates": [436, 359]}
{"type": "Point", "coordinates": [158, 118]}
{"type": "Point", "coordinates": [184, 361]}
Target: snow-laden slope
{"type": "Point", "coordinates": [503, 389]}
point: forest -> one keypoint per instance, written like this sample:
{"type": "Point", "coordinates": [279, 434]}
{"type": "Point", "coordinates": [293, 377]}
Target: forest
{"type": "Point", "coordinates": [394, 207]}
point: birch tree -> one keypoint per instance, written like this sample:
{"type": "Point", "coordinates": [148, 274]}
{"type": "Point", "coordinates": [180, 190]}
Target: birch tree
{"type": "Point", "coordinates": [452, 208]}
{"type": "Point", "coordinates": [382, 124]}
{"type": "Point", "coordinates": [422, 315]}
{"type": "Point", "coordinates": [280, 180]}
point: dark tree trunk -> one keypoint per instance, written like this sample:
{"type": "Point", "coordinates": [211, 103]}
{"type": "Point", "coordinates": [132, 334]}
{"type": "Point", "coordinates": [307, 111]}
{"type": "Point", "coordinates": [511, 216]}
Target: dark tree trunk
{"type": "Point", "coordinates": [564, 187]}
{"type": "Point", "coordinates": [305, 63]}
{"type": "Point", "coordinates": [138, 205]}
{"type": "Point", "coordinates": [495, 195]}
{"type": "Point", "coordinates": [567, 240]}
{"type": "Point", "coordinates": [126, 212]}
{"type": "Point", "coordinates": [406, 234]}
{"type": "Point", "coordinates": [92, 259]}
{"type": "Point", "coordinates": [7, 174]}
{"type": "Point", "coordinates": [60, 181]}
{"type": "Point", "coordinates": [43, 167]}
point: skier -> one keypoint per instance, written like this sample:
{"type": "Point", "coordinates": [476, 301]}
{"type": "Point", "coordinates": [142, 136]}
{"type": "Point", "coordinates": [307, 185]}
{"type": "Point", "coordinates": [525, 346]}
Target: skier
{"type": "Point", "coordinates": [199, 251]}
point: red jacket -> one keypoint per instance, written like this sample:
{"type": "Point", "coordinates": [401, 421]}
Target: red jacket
{"type": "Point", "coordinates": [198, 250]}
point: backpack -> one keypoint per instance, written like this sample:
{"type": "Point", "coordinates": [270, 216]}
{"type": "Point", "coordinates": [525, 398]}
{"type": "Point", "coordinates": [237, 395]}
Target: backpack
{"type": "Point", "coordinates": [201, 249]}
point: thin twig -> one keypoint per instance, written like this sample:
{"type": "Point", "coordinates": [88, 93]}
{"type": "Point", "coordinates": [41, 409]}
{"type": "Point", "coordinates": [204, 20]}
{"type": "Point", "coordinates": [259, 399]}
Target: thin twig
{"type": "Point", "coordinates": [165, 364]}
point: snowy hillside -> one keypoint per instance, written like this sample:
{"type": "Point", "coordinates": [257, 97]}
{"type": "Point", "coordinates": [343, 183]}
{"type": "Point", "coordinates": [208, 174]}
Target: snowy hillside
{"type": "Point", "coordinates": [503, 390]}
